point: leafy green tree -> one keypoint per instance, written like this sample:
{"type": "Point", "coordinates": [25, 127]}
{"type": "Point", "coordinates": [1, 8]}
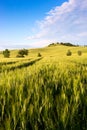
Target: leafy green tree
{"type": "Point", "coordinates": [69, 53]}
{"type": "Point", "coordinates": [79, 53]}
{"type": "Point", "coordinates": [22, 53]}
{"type": "Point", "coordinates": [6, 53]}
{"type": "Point", "coordinates": [39, 54]}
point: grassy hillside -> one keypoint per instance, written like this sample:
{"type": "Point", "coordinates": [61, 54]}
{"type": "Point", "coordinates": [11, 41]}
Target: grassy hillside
{"type": "Point", "coordinates": [44, 93]}
{"type": "Point", "coordinates": [50, 51]}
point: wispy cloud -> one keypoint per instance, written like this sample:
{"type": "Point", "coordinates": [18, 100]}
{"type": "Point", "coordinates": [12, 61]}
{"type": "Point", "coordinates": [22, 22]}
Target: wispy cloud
{"type": "Point", "coordinates": [67, 22]}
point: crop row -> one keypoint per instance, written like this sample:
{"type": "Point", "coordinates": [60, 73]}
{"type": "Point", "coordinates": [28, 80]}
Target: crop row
{"type": "Point", "coordinates": [17, 65]}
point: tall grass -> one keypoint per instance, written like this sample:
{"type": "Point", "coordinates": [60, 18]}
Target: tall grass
{"type": "Point", "coordinates": [44, 96]}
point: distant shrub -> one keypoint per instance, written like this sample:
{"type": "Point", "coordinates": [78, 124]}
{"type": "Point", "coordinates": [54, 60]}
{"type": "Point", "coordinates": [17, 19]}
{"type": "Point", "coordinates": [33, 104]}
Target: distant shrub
{"type": "Point", "coordinates": [69, 53]}
{"type": "Point", "coordinates": [39, 55]}
{"type": "Point", "coordinates": [22, 53]}
{"type": "Point", "coordinates": [79, 53]}
{"type": "Point", "coordinates": [6, 53]}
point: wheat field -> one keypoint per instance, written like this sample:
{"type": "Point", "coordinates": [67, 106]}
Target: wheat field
{"type": "Point", "coordinates": [44, 93]}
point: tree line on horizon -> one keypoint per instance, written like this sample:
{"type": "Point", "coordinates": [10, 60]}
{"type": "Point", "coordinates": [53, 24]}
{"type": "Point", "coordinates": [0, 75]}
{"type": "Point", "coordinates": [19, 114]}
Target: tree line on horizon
{"type": "Point", "coordinates": [62, 43]}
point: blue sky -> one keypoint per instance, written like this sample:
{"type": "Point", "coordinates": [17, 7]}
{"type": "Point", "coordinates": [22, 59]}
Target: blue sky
{"type": "Point", "coordinates": [36, 23]}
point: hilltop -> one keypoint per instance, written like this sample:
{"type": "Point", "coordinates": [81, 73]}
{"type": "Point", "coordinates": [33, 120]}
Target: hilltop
{"type": "Point", "coordinates": [62, 43]}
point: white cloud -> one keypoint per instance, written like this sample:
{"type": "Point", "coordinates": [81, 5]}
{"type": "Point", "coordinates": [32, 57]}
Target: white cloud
{"type": "Point", "coordinates": [67, 22]}
{"type": "Point", "coordinates": [37, 36]}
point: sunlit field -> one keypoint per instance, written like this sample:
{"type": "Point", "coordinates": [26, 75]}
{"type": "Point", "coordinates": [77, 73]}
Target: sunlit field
{"type": "Point", "coordinates": [44, 93]}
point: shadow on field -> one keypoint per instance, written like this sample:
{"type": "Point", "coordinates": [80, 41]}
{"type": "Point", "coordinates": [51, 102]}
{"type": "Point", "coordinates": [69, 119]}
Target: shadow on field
{"type": "Point", "coordinates": [11, 62]}
{"type": "Point", "coordinates": [8, 63]}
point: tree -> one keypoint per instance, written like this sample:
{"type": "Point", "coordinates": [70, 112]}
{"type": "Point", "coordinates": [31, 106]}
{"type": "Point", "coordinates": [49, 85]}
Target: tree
{"type": "Point", "coordinates": [79, 53]}
{"type": "Point", "coordinates": [39, 55]}
{"type": "Point", "coordinates": [6, 53]}
{"type": "Point", "coordinates": [22, 53]}
{"type": "Point", "coordinates": [69, 53]}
